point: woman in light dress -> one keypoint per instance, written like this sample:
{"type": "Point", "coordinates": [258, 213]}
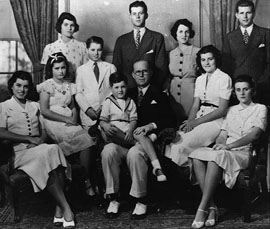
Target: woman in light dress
{"type": "Point", "coordinates": [60, 114]}
{"type": "Point", "coordinates": [243, 125]}
{"type": "Point", "coordinates": [21, 123]}
{"type": "Point", "coordinates": [183, 68]}
{"type": "Point", "coordinates": [211, 98]}
{"type": "Point", "coordinates": [74, 50]}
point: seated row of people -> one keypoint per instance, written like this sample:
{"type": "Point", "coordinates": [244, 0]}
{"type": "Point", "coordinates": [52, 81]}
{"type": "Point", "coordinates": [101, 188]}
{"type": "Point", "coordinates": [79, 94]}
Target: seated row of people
{"type": "Point", "coordinates": [118, 120]}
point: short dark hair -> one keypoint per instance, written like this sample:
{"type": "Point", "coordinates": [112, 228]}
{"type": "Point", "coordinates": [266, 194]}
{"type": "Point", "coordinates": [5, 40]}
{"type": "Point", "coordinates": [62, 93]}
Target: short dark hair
{"type": "Point", "coordinates": [117, 77]}
{"type": "Point", "coordinates": [244, 78]}
{"type": "Point", "coordinates": [184, 22]}
{"type": "Point", "coordinates": [20, 75]}
{"type": "Point", "coordinates": [94, 39]}
{"type": "Point", "coordinates": [138, 4]}
{"type": "Point", "coordinates": [57, 57]}
{"type": "Point", "coordinates": [151, 65]}
{"type": "Point", "coordinates": [242, 3]}
{"type": "Point", "coordinates": [208, 49]}
{"type": "Point", "coordinates": [62, 17]}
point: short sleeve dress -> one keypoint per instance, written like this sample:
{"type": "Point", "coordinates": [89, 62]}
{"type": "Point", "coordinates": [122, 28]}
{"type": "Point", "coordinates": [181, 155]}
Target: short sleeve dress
{"type": "Point", "coordinates": [75, 51]}
{"type": "Point", "coordinates": [238, 123]}
{"type": "Point", "coordinates": [218, 86]}
{"type": "Point", "coordinates": [71, 139]}
{"type": "Point", "coordinates": [37, 162]}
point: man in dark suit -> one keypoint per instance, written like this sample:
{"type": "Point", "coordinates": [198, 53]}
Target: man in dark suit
{"type": "Point", "coordinates": [153, 115]}
{"type": "Point", "coordinates": [246, 50]}
{"type": "Point", "coordinates": [141, 43]}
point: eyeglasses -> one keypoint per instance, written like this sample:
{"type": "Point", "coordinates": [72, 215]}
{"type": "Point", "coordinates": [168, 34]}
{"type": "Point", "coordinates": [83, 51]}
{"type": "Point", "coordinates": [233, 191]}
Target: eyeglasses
{"type": "Point", "coordinates": [142, 73]}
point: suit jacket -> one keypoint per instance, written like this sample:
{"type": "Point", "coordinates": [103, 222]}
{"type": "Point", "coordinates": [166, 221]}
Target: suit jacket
{"type": "Point", "coordinates": [91, 93]}
{"type": "Point", "coordinates": [151, 48]}
{"type": "Point", "coordinates": [252, 59]}
{"type": "Point", "coordinates": [154, 108]}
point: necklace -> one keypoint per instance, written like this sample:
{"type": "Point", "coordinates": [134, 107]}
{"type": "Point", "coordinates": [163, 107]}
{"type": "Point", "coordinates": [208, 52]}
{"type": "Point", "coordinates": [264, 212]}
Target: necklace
{"type": "Point", "coordinates": [61, 88]}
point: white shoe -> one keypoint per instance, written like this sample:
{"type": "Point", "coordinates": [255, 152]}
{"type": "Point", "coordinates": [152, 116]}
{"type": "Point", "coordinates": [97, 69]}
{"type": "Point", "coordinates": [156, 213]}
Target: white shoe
{"type": "Point", "coordinates": [139, 211]}
{"type": "Point", "coordinates": [113, 207]}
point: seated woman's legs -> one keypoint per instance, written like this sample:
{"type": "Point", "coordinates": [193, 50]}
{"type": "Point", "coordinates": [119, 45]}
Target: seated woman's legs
{"type": "Point", "coordinates": [208, 175]}
{"type": "Point", "coordinates": [55, 186]}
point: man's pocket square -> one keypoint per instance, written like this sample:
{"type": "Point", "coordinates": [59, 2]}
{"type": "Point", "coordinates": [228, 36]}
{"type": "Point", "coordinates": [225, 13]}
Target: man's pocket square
{"type": "Point", "coordinates": [151, 51]}
{"type": "Point", "coordinates": [261, 45]}
{"type": "Point", "coordinates": [154, 102]}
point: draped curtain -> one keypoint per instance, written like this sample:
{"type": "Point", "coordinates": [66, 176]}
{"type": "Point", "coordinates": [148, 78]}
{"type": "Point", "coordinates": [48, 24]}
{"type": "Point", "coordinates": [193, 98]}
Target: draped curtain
{"type": "Point", "coordinates": [222, 19]}
{"type": "Point", "coordinates": [35, 20]}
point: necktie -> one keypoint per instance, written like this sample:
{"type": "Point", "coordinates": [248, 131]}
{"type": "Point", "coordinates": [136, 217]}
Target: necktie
{"type": "Point", "coordinates": [245, 37]}
{"type": "Point", "coordinates": [96, 71]}
{"type": "Point", "coordinates": [138, 39]}
{"type": "Point", "coordinates": [140, 96]}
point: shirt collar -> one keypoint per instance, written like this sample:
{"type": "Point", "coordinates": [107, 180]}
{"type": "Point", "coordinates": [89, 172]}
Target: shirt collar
{"type": "Point", "coordinates": [142, 31]}
{"type": "Point", "coordinates": [92, 62]}
{"type": "Point", "coordinates": [144, 89]}
{"type": "Point", "coordinates": [241, 108]}
{"type": "Point", "coordinates": [249, 29]}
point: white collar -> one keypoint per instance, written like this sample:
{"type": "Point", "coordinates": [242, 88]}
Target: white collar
{"type": "Point", "coordinates": [142, 31]}
{"type": "Point", "coordinates": [249, 29]}
{"type": "Point", "coordinates": [144, 89]}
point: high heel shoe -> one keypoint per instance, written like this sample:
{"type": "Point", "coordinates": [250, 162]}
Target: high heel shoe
{"type": "Point", "coordinates": [210, 222]}
{"type": "Point", "coordinates": [58, 222]}
{"type": "Point", "coordinates": [199, 224]}
{"type": "Point", "coordinates": [68, 224]}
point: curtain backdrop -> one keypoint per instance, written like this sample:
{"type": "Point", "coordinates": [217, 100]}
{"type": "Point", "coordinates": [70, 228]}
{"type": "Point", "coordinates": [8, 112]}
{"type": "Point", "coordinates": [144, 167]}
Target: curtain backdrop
{"type": "Point", "coordinates": [222, 19]}
{"type": "Point", "coordinates": [35, 21]}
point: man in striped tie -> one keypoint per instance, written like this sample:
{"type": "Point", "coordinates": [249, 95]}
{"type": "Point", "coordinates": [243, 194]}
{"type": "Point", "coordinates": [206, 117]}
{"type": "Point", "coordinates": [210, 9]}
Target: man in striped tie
{"type": "Point", "coordinates": [246, 50]}
{"type": "Point", "coordinates": [141, 43]}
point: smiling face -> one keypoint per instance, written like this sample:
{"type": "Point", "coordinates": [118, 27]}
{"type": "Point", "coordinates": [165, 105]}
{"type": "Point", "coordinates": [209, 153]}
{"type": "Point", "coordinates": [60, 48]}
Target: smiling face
{"type": "Point", "coordinates": [20, 89]}
{"type": "Point", "coordinates": [243, 92]}
{"type": "Point", "coordinates": [182, 34]}
{"type": "Point", "coordinates": [138, 17]}
{"type": "Point", "coordinates": [67, 28]}
{"type": "Point", "coordinates": [95, 51]}
{"type": "Point", "coordinates": [59, 71]}
{"type": "Point", "coordinates": [119, 90]}
{"type": "Point", "coordinates": [208, 62]}
{"type": "Point", "coordinates": [245, 16]}
{"type": "Point", "coordinates": [142, 73]}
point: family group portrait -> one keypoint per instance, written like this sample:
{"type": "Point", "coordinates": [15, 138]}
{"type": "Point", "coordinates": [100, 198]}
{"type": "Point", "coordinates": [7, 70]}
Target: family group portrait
{"type": "Point", "coordinates": [134, 114]}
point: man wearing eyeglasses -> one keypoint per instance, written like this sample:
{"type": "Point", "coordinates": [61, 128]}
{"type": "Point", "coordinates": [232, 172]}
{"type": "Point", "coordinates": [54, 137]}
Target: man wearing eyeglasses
{"type": "Point", "coordinates": [141, 43]}
{"type": "Point", "coordinates": [154, 115]}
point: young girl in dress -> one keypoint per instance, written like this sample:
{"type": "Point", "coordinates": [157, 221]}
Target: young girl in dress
{"type": "Point", "coordinates": [243, 125]}
{"type": "Point", "coordinates": [60, 114]}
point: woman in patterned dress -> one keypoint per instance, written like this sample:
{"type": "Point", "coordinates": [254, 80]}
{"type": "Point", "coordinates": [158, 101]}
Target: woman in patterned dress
{"type": "Point", "coordinates": [183, 68]}
{"type": "Point", "coordinates": [74, 50]}
{"type": "Point", "coordinates": [21, 123]}
{"type": "Point", "coordinates": [243, 125]}
{"type": "Point", "coordinates": [60, 114]}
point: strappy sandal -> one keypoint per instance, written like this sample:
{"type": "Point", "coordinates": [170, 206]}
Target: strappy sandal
{"type": "Point", "coordinates": [199, 224]}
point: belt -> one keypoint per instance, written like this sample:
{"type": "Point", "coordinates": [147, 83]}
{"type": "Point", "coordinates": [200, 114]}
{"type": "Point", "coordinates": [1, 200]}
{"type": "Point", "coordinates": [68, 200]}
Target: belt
{"type": "Point", "coordinates": [208, 105]}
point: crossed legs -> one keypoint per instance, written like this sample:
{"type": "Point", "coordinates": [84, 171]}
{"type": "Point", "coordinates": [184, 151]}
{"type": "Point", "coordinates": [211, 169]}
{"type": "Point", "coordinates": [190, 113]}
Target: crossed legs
{"type": "Point", "coordinates": [208, 175]}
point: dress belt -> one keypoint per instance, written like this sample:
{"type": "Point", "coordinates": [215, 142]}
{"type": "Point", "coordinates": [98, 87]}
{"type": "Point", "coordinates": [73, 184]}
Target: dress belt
{"type": "Point", "coordinates": [208, 105]}
{"type": "Point", "coordinates": [190, 80]}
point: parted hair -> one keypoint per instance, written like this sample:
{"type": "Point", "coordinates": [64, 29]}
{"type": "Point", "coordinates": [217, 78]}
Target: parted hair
{"type": "Point", "coordinates": [57, 57]}
{"type": "Point", "coordinates": [242, 3]}
{"type": "Point", "coordinates": [138, 4]}
{"type": "Point", "coordinates": [62, 17]}
{"type": "Point", "coordinates": [20, 75]}
{"type": "Point", "coordinates": [94, 39]}
{"type": "Point", "coordinates": [117, 77]}
{"type": "Point", "coordinates": [208, 49]}
{"type": "Point", "coordinates": [184, 22]}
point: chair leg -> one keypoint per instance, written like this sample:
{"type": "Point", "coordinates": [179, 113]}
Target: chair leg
{"type": "Point", "coordinates": [3, 199]}
{"type": "Point", "coordinates": [247, 205]}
